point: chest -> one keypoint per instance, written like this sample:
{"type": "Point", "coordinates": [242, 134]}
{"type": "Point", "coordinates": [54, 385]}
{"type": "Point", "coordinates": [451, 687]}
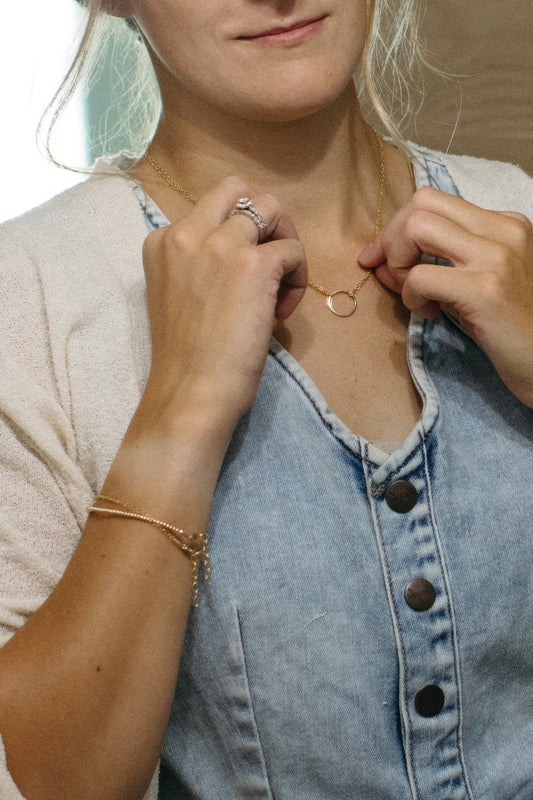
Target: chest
{"type": "Point", "coordinates": [358, 363]}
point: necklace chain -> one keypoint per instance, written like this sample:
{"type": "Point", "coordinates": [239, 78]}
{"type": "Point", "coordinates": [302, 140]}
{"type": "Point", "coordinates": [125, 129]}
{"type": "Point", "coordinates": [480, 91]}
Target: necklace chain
{"type": "Point", "coordinates": [167, 177]}
{"type": "Point", "coordinates": [377, 230]}
{"type": "Point", "coordinates": [329, 295]}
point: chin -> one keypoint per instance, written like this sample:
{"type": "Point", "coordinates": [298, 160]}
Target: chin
{"type": "Point", "coordinates": [283, 115]}
{"type": "Point", "coordinates": [292, 103]}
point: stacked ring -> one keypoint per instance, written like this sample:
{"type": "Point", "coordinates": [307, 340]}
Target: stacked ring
{"type": "Point", "coordinates": [245, 206]}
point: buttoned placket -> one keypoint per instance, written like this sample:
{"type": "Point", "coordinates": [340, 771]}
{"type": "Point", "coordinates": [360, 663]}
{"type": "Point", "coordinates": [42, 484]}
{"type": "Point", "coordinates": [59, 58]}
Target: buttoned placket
{"type": "Point", "coordinates": [416, 581]}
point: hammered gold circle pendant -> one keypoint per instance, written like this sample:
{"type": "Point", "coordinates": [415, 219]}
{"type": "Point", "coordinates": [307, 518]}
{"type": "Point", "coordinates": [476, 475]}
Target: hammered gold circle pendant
{"type": "Point", "coordinates": [342, 309]}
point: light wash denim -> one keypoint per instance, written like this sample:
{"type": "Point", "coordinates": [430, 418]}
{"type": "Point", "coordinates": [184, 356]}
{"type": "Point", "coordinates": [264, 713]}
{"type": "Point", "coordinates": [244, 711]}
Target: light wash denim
{"type": "Point", "coordinates": [301, 665]}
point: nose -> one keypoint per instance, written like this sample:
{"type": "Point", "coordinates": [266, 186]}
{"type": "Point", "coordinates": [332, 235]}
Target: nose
{"type": "Point", "coordinates": [282, 7]}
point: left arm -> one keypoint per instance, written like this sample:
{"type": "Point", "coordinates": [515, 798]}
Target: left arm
{"type": "Point", "coordinates": [490, 293]}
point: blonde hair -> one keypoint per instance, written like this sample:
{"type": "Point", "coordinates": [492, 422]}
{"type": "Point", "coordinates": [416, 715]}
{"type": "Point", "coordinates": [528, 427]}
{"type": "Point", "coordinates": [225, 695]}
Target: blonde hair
{"type": "Point", "coordinates": [393, 64]}
{"type": "Point", "coordinates": [389, 78]}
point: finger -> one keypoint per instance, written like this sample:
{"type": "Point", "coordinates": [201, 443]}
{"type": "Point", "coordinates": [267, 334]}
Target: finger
{"type": "Point", "coordinates": [510, 227]}
{"type": "Point", "coordinates": [266, 208]}
{"type": "Point", "coordinates": [433, 235]}
{"type": "Point", "coordinates": [429, 309]}
{"type": "Point", "coordinates": [430, 286]}
{"type": "Point", "coordinates": [476, 220]}
{"type": "Point", "coordinates": [491, 225]}
{"type": "Point", "coordinates": [402, 246]}
{"type": "Point", "coordinates": [406, 248]}
{"type": "Point", "coordinates": [505, 226]}
{"type": "Point", "coordinates": [286, 262]}
{"type": "Point", "coordinates": [390, 278]}
{"type": "Point", "coordinates": [214, 208]}
{"type": "Point", "coordinates": [375, 253]}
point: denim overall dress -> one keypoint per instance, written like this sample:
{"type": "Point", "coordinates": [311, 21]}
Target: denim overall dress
{"type": "Point", "coordinates": [368, 630]}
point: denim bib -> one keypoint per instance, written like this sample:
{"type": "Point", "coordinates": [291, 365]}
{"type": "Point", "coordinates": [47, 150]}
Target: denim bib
{"type": "Point", "coordinates": [368, 631]}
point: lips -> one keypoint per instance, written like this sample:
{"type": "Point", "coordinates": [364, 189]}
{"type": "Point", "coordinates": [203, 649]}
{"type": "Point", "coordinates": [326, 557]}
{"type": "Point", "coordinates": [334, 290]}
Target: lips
{"type": "Point", "coordinates": [293, 32]}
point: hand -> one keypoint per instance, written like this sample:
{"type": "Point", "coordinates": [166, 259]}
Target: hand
{"type": "Point", "coordinates": [490, 291]}
{"type": "Point", "coordinates": [214, 295]}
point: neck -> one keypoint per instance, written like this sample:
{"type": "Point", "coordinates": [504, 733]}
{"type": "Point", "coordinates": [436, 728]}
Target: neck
{"type": "Point", "coordinates": [322, 168]}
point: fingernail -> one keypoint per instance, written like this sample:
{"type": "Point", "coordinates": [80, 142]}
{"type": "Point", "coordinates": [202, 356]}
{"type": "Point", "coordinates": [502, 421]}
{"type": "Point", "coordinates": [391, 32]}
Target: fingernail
{"type": "Point", "coordinates": [366, 251]}
{"type": "Point", "coordinates": [364, 256]}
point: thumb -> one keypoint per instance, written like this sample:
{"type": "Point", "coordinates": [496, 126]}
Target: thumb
{"type": "Point", "coordinates": [372, 255]}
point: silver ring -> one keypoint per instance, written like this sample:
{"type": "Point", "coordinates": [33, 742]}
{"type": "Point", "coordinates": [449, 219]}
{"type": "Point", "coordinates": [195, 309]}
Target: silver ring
{"type": "Point", "coordinates": [245, 206]}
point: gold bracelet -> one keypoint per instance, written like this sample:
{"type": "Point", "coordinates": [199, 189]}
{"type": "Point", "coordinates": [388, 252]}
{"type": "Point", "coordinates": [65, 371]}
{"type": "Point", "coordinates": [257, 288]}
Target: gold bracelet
{"type": "Point", "coordinates": [194, 544]}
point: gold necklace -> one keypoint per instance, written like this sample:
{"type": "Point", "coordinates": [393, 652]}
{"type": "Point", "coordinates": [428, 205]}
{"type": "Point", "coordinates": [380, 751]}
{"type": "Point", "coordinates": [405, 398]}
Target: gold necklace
{"type": "Point", "coordinates": [329, 295]}
{"type": "Point", "coordinates": [377, 230]}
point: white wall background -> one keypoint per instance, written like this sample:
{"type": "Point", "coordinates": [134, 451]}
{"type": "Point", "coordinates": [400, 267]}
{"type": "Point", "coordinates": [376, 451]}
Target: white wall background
{"type": "Point", "coordinates": [36, 40]}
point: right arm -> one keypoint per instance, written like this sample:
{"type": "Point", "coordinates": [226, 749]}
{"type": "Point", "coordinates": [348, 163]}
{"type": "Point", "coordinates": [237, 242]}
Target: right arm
{"type": "Point", "coordinates": [86, 684]}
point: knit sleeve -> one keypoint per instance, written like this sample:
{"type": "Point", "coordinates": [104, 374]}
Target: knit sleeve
{"type": "Point", "coordinates": [44, 491]}
{"type": "Point", "coordinates": [61, 306]}
{"type": "Point", "coordinates": [39, 524]}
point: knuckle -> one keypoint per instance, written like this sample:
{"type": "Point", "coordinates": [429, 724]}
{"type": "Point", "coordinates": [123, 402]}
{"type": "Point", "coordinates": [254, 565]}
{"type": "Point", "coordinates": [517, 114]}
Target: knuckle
{"type": "Point", "coordinates": [217, 243]}
{"type": "Point", "coordinates": [299, 251]}
{"type": "Point", "coordinates": [251, 257]}
{"type": "Point", "coordinates": [417, 223]}
{"type": "Point", "coordinates": [268, 203]}
{"type": "Point", "coordinates": [270, 209]}
{"type": "Point", "coordinates": [245, 259]}
{"type": "Point", "coordinates": [220, 247]}
{"type": "Point", "coordinates": [179, 238]}
{"type": "Point", "coordinates": [492, 282]}
{"type": "Point", "coordinates": [501, 254]}
{"type": "Point", "coordinates": [416, 275]}
{"type": "Point", "coordinates": [165, 246]}
{"type": "Point", "coordinates": [493, 288]}
{"type": "Point", "coordinates": [424, 197]}
{"type": "Point", "coordinates": [520, 231]}
{"type": "Point", "coordinates": [234, 184]}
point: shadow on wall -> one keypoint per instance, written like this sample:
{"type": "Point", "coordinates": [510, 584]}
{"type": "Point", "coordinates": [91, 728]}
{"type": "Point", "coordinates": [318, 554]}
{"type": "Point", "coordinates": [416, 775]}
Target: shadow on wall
{"type": "Point", "coordinates": [490, 45]}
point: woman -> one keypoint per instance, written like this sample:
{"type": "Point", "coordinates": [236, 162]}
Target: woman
{"type": "Point", "coordinates": [364, 628]}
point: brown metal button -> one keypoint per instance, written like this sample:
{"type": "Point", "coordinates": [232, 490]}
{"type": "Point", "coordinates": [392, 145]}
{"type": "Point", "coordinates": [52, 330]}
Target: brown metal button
{"type": "Point", "coordinates": [429, 701]}
{"type": "Point", "coordinates": [419, 594]}
{"type": "Point", "coordinates": [401, 496]}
